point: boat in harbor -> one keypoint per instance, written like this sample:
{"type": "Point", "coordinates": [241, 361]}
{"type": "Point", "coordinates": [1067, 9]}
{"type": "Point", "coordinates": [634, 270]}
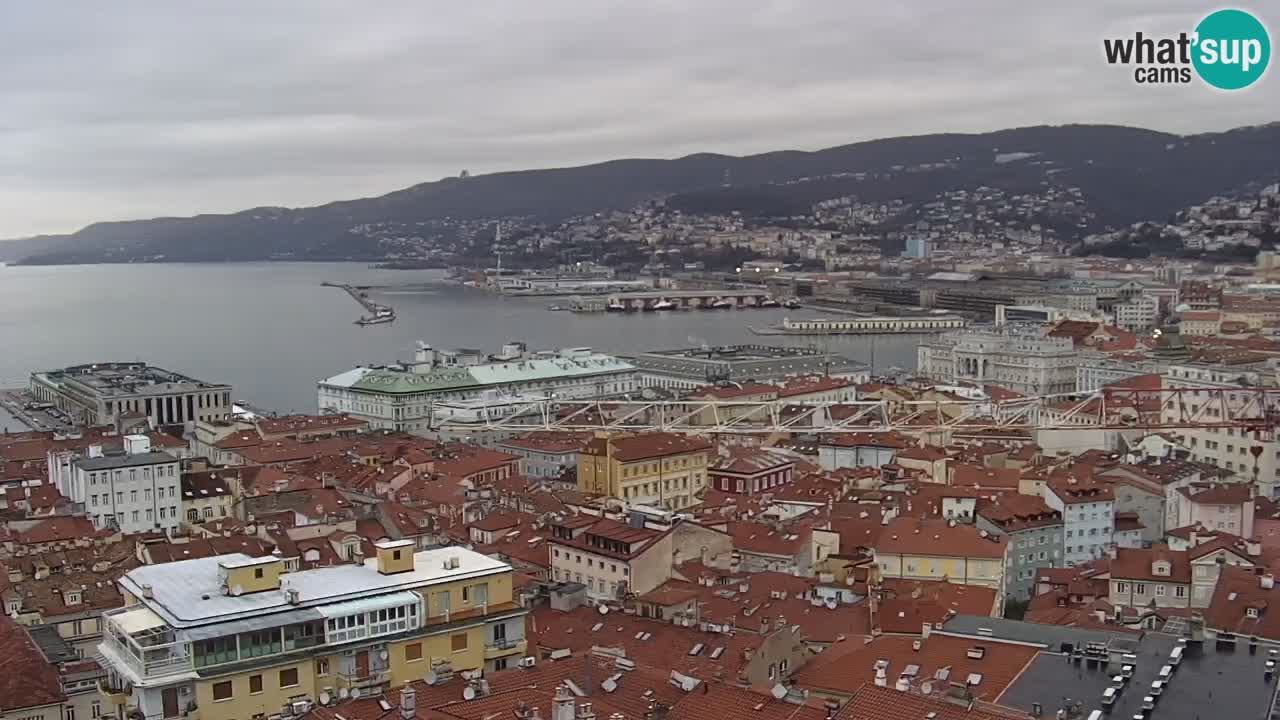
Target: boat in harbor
{"type": "Point", "coordinates": [720, 304]}
{"type": "Point", "coordinates": [663, 304]}
{"type": "Point", "coordinates": [615, 306]}
{"type": "Point", "coordinates": [769, 303]}
{"type": "Point", "coordinates": [380, 316]}
{"type": "Point", "coordinates": [791, 303]}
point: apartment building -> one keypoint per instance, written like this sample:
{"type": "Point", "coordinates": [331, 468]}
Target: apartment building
{"type": "Point", "coordinates": [1034, 531]}
{"type": "Point", "coordinates": [1088, 517]}
{"type": "Point", "coordinates": [1138, 314]}
{"type": "Point", "coordinates": [1154, 577]}
{"type": "Point", "coordinates": [662, 470]}
{"type": "Point", "coordinates": [234, 637]}
{"type": "Point", "coordinates": [914, 549]}
{"type": "Point", "coordinates": [135, 489]}
{"type": "Point", "coordinates": [610, 558]}
{"type": "Point", "coordinates": [1222, 507]}
{"type": "Point", "coordinates": [1229, 449]}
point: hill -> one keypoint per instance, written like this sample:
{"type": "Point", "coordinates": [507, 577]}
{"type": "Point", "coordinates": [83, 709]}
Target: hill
{"type": "Point", "coordinates": [1125, 174]}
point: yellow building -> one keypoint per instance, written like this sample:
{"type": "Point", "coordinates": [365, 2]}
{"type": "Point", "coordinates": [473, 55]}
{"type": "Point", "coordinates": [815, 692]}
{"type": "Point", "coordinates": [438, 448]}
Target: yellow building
{"type": "Point", "coordinates": [234, 637]}
{"type": "Point", "coordinates": [914, 549]}
{"type": "Point", "coordinates": [662, 470]}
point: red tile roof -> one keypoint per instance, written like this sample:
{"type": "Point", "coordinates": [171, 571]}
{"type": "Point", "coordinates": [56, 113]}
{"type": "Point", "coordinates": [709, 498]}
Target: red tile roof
{"type": "Point", "coordinates": [1238, 591]}
{"type": "Point", "coordinates": [846, 667]}
{"type": "Point", "coordinates": [648, 445]}
{"type": "Point", "coordinates": [1136, 564]}
{"type": "Point", "coordinates": [1013, 512]}
{"type": "Point", "coordinates": [872, 702]}
{"type": "Point", "coordinates": [31, 680]}
{"type": "Point", "coordinates": [938, 538]}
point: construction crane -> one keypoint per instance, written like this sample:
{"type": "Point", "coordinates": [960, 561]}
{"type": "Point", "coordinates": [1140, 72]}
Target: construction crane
{"type": "Point", "coordinates": [1254, 410]}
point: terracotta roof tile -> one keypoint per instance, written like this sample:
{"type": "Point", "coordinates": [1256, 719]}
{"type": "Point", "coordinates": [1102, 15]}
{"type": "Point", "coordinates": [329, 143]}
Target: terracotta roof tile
{"type": "Point", "coordinates": [847, 666]}
{"type": "Point", "coordinates": [31, 681]}
{"type": "Point", "coordinates": [912, 536]}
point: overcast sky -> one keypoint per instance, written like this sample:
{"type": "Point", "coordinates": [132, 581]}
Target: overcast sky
{"type": "Point", "coordinates": [132, 109]}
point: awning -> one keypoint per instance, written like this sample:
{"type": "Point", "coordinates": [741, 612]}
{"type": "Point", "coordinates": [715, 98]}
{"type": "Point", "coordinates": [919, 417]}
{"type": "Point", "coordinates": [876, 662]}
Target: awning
{"type": "Point", "coordinates": [136, 621]}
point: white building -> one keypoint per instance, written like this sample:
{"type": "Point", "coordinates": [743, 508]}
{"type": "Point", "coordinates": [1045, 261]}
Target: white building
{"type": "Point", "coordinates": [104, 393]}
{"type": "Point", "coordinates": [137, 490]}
{"type": "Point", "coordinates": [1088, 517]}
{"type": "Point", "coordinates": [1227, 448]}
{"type": "Point", "coordinates": [1138, 314]}
{"type": "Point", "coordinates": [466, 385]}
{"type": "Point", "coordinates": [1017, 358]}
{"type": "Point", "coordinates": [1093, 373]}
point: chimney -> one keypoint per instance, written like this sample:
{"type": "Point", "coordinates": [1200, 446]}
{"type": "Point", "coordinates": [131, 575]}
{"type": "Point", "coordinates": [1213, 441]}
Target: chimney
{"type": "Point", "coordinates": [585, 712]}
{"type": "Point", "coordinates": [925, 629]}
{"type": "Point", "coordinates": [408, 703]}
{"type": "Point", "coordinates": [146, 592]}
{"type": "Point", "coordinates": [562, 706]}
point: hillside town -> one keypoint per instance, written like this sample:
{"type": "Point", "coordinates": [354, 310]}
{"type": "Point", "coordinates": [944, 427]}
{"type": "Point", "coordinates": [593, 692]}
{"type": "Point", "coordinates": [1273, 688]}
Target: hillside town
{"type": "Point", "coordinates": [1071, 507]}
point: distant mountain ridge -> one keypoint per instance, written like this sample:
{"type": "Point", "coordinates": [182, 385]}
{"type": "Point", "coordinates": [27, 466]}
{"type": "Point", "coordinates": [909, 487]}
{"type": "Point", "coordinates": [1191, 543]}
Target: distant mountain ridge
{"type": "Point", "coordinates": [1126, 174]}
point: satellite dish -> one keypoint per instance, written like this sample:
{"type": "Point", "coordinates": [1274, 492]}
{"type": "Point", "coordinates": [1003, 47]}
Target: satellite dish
{"type": "Point", "coordinates": [343, 693]}
{"type": "Point", "coordinates": [604, 609]}
{"type": "Point", "coordinates": [432, 678]}
{"type": "Point", "coordinates": [468, 693]}
{"type": "Point", "coordinates": [383, 654]}
{"type": "Point", "coordinates": [237, 591]}
{"type": "Point", "coordinates": [926, 687]}
{"type": "Point", "coordinates": [324, 698]}
{"type": "Point", "coordinates": [779, 691]}
{"type": "Point", "coordinates": [355, 693]}
{"type": "Point", "coordinates": [609, 685]}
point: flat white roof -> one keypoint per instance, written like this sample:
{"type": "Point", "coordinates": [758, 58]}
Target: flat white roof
{"type": "Point", "coordinates": [189, 592]}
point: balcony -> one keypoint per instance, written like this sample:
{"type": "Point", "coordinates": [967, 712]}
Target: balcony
{"type": "Point", "coordinates": [496, 648]}
{"type": "Point", "coordinates": [368, 679]}
{"type": "Point", "coordinates": [137, 644]}
{"type": "Point", "coordinates": [114, 696]}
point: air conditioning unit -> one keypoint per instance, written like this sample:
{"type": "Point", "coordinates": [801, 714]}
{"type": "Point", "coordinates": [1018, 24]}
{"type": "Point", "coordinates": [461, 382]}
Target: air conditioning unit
{"type": "Point", "coordinates": [527, 662]}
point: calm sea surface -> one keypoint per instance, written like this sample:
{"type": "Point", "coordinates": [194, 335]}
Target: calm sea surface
{"type": "Point", "coordinates": [272, 331]}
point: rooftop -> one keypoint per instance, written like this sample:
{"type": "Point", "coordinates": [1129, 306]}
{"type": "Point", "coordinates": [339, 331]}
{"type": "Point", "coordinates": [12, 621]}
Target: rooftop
{"type": "Point", "coordinates": [1198, 689]}
{"type": "Point", "coordinates": [110, 462]}
{"type": "Point", "coordinates": [127, 379]}
{"type": "Point", "coordinates": [189, 592]}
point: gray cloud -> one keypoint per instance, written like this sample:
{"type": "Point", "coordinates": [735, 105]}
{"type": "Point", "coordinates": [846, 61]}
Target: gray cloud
{"type": "Point", "coordinates": [131, 109]}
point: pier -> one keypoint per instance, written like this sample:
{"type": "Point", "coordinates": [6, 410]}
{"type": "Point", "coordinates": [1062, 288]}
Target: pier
{"type": "Point", "coordinates": [377, 314]}
{"type": "Point", "coordinates": [685, 299]}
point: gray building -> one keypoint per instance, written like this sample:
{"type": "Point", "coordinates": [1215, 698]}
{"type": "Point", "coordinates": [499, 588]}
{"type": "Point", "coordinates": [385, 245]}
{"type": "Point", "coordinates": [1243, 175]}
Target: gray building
{"type": "Point", "coordinates": [104, 393]}
{"type": "Point", "coordinates": [1035, 538]}
{"type": "Point", "coordinates": [136, 490]}
{"type": "Point", "coordinates": [692, 368]}
{"type": "Point", "coordinates": [545, 454]}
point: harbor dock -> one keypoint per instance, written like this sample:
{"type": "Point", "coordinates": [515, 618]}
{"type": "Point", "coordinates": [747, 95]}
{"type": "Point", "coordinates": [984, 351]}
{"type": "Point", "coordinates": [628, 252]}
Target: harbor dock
{"type": "Point", "coordinates": [865, 325]}
{"type": "Point", "coordinates": [377, 313]}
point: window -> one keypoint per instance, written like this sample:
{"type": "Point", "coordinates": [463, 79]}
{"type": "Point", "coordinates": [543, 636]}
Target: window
{"type": "Point", "coordinates": [222, 691]}
{"type": "Point", "coordinates": [1180, 591]}
{"type": "Point", "coordinates": [257, 573]}
{"type": "Point", "coordinates": [322, 667]}
{"type": "Point", "coordinates": [289, 677]}
{"type": "Point", "coordinates": [95, 710]}
{"type": "Point", "coordinates": [255, 684]}
{"type": "Point", "coordinates": [458, 642]}
{"type": "Point", "coordinates": [1122, 587]}
{"type": "Point", "coordinates": [412, 652]}
{"type": "Point", "coordinates": [1160, 590]}
{"type": "Point", "coordinates": [1140, 589]}
{"type": "Point", "coordinates": [71, 713]}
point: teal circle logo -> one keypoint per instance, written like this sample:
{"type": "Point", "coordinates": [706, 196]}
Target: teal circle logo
{"type": "Point", "coordinates": [1232, 49]}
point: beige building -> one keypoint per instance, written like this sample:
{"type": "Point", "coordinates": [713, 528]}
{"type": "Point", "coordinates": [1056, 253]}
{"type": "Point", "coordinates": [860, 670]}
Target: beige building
{"type": "Point", "coordinates": [914, 549]}
{"type": "Point", "coordinates": [610, 558]}
{"type": "Point", "coordinates": [234, 637]}
{"type": "Point", "coordinates": [662, 470]}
